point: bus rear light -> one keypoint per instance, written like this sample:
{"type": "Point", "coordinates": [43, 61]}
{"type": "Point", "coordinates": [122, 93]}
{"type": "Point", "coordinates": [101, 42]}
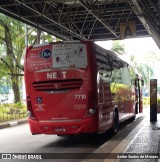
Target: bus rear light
{"type": "Point", "coordinates": [92, 111]}
{"type": "Point", "coordinates": [92, 105]}
{"type": "Point", "coordinates": [31, 114]}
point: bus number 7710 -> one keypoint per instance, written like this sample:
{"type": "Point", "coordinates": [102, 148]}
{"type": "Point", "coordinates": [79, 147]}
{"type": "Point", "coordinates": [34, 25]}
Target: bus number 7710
{"type": "Point", "coordinates": [79, 87]}
{"type": "Point", "coordinates": [80, 96]}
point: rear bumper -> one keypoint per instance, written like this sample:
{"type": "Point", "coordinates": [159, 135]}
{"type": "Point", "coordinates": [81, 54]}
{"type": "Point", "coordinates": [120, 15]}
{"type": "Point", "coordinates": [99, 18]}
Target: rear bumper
{"type": "Point", "coordinates": [88, 125]}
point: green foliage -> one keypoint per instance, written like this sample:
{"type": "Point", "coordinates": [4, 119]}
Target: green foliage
{"type": "Point", "coordinates": [19, 105]}
{"type": "Point", "coordinates": [132, 74]}
{"type": "Point", "coordinates": [118, 47]}
{"type": "Point", "coordinates": [146, 101]}
{"type": "Point", "coordinates": [44, 37]}
{"type": "Point", "coordinates": [143, 69]}
{"type": "Point", "coordinates": [12, 45]}
{"type": "Point", "coordinates": [146, 71]}
{"type": "Point", "coordinates": [2, 107]}
{"type": "Point", "coordinates": [151, 56]}
{"type": "Point", "coordinates": [158, 101]}
{"type": "Point", "coordinates": [12, 111]}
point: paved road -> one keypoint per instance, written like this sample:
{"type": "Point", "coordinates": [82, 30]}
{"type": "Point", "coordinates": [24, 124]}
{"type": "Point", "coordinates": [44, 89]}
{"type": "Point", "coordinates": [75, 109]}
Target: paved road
{"type": "Point", "coordinates": [18, 139]}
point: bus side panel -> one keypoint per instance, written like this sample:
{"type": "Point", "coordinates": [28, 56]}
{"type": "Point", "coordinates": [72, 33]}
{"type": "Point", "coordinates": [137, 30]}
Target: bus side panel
{"type": "Point", "coordinates": [112, 96]}
{"type": "Point", "coordinates": [132, 110]}
{"type": "Point", "coordinates": [114, 88]}
{"type": "Point", "coordinates": [105, 107]}
{"type": "Point", "coordinates": [122, 96]}
{"type": "Point", "coordinates": [92, 89]}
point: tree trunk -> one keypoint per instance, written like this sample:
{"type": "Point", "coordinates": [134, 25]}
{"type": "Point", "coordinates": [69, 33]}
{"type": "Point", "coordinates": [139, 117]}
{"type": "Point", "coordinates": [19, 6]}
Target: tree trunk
{"type": "Point", "coordinates": [12, 64]}
{"type": "Point", "coordinates": [38, 36]}
{"type": "Point", "coordinates": [16, 89]}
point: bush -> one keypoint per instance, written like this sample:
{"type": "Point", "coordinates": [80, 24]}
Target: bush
{"type": "Point", "coordinates": [146, 101]}
{"type": "Point", "coordinates": [158, 101]}
{"type": "Point", "coordinates": [12, 111]}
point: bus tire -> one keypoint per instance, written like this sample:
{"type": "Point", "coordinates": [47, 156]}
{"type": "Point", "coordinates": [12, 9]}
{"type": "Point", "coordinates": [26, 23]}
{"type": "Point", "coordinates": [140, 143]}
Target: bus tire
{"type": "Point", "coordinates": [136, 107]}
{"type": "Point", "coordinates": [133, 118]}
{"type": "Point", "coordinates": [115, 122]}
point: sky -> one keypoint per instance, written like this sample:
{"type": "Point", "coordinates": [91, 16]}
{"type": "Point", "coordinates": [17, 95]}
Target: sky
{"type": "Point", "coordinates": [137, 46]}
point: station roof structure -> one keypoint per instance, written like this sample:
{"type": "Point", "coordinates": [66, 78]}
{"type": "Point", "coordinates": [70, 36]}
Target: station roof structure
{"type": "Point", "coordinates": [88, 19]}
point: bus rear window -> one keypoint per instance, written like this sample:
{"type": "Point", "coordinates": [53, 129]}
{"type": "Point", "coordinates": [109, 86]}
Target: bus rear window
{"type": "Point", "coordinates": [69, 55]}
{"type": "Point", "coordinates": [57, 56]}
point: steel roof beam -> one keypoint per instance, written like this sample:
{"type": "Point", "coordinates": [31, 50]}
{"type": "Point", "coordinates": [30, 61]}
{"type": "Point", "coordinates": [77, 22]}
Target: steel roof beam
{"type": "Point", "coordinates": [80, 13]}
{"type": "Point", "coordinates": [97, 17]}
{"type": "Point", "coordinates": [52, 20]}
{"type": "Point", "coordinates": [82, 19]}
{"type": "Point", "coordinates": [149, 21]}
{"type": "Point", "coordinates": [36, 25]}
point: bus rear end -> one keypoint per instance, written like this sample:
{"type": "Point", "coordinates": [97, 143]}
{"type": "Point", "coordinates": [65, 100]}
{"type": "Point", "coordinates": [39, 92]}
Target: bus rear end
{"type": "Point", "coordinates": [59, 89]}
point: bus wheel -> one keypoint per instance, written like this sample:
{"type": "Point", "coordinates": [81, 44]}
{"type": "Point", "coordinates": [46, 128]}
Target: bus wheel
{"type": "Point", "coordinates": [136, 108]}
{"type": "Point", "coordinates": [115, 122]}
{"type": "Point", "coordinates": [133, 118]}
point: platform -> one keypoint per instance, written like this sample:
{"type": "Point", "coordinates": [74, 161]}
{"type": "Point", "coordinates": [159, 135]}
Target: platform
{"type": "Point", "coordinates": [141, 144]}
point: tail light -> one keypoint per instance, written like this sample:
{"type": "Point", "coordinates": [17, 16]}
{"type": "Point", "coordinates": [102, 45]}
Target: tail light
{"type": "Point", "coordinates": [31, 114]}
{"type": "Point", "coordinates": [92, 111]}
{"type": "Point", "coordinates": [92, 105]}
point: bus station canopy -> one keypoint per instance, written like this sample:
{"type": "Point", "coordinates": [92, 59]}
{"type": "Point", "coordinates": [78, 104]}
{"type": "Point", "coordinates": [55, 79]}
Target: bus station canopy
{"type": "Point", "coordinates": [89, 19]}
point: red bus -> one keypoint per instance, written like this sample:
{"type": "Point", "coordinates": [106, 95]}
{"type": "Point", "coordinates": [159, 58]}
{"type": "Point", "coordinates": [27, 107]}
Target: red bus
{"type": "Point", "coordinates": [77, 87]}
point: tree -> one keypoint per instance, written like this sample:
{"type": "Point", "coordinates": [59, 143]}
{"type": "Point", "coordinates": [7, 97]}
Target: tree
{"type": "Point", "coordinates": [144, 69]}
{"type": "Point", "coordinates": [12, 42]}
{"type": "Point", "coordinates": [37, 36]}
{"type": "Point", "coordinates": [118, 47]}
{"type": "Point", "coordinates": [12, 49]}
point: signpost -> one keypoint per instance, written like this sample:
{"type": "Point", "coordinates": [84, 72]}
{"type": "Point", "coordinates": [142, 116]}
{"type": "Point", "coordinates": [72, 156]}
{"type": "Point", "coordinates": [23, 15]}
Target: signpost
{"type": "Point", "coordinates": [153, 100]}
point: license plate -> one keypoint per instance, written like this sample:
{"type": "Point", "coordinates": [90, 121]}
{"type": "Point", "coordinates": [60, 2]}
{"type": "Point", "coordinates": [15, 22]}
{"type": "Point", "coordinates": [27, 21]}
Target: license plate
{"type": "Point", "coordinates": [60, 129]}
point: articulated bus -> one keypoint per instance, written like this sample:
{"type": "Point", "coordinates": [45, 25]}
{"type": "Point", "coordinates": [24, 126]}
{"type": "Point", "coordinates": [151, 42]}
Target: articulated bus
{"type": "Point", "coordinates": [78, 87]}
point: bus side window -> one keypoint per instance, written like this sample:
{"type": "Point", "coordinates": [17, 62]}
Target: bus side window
{"type": "Point", "coordinates": [126, 76]}
{"type": "Point", "coordinates": [117, 75]}
{"type": "Point", "coordinates": [132, 74]}
{"type": "Point", "coordinates": [105, 76]}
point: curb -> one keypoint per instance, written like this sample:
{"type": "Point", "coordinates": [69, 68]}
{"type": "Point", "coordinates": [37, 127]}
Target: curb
{"type": "Point", "coordinates": [13, 123]}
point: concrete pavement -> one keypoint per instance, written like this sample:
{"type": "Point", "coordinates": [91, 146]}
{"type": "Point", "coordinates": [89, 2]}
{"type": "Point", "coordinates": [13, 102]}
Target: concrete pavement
{"type": "Point", "coordinates": [142, 144]}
